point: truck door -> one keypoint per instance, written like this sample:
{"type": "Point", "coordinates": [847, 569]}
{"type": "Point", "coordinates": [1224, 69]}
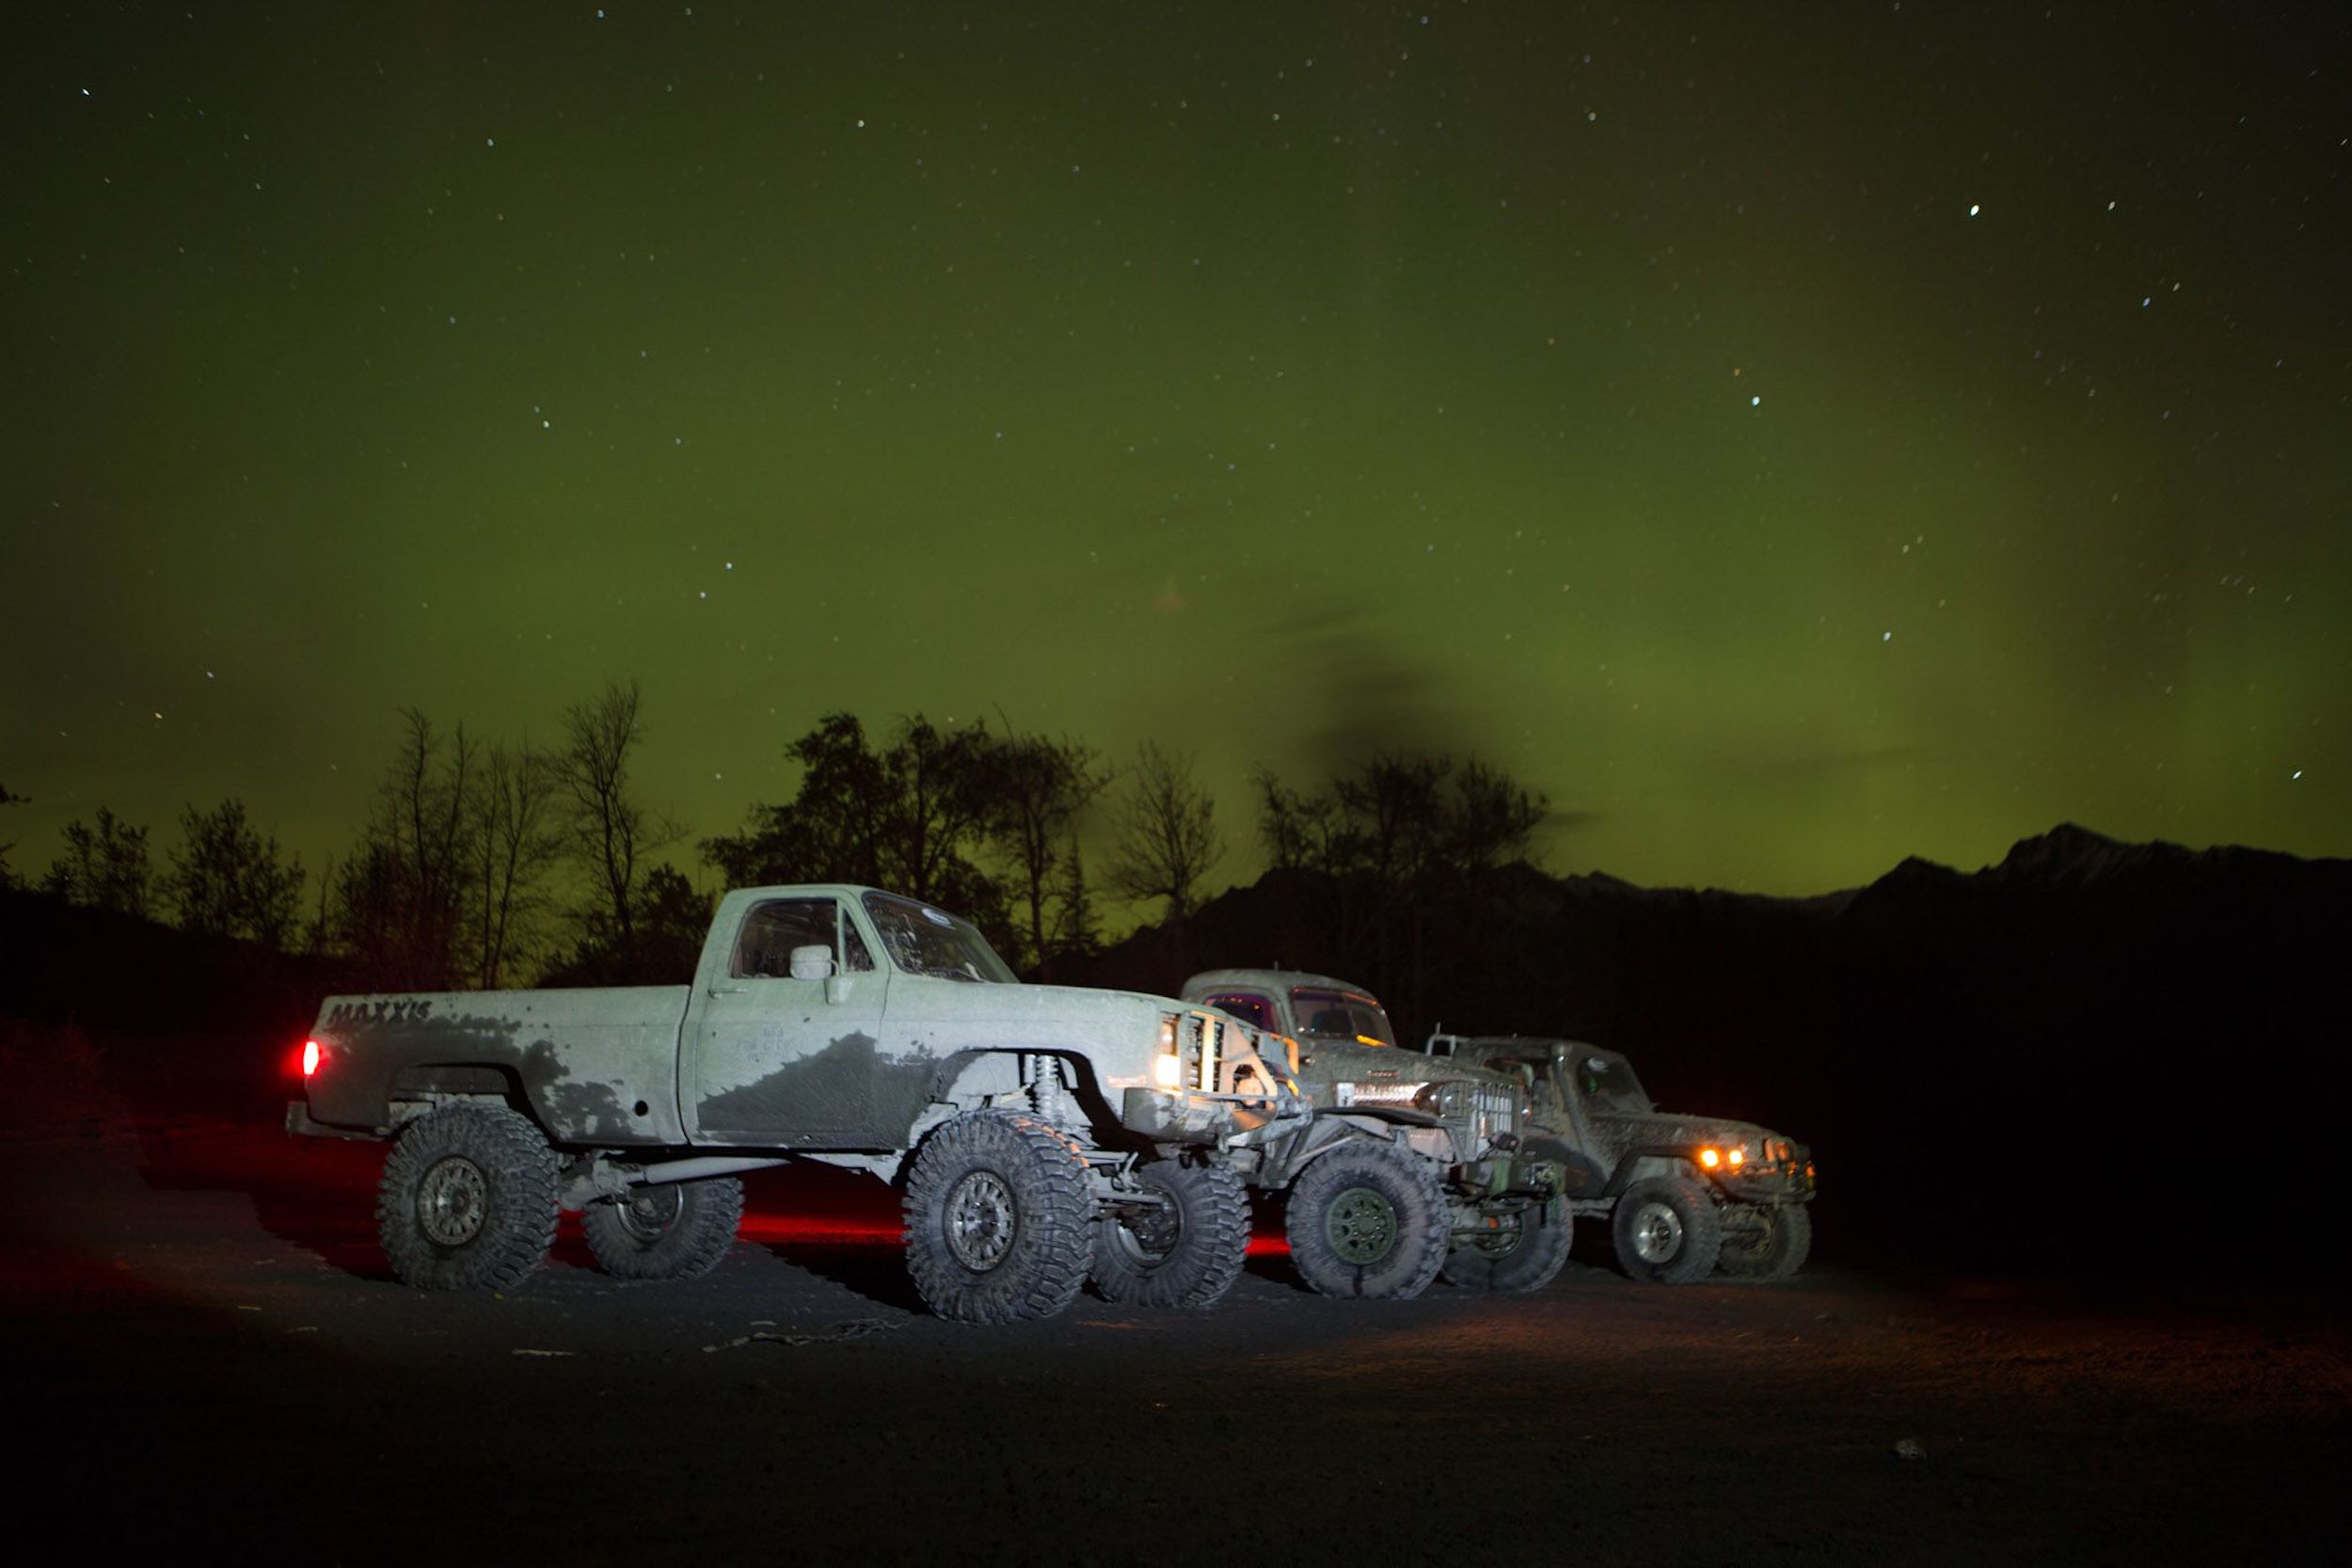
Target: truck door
{"type": "Point", "coordinates": [783, 1055]}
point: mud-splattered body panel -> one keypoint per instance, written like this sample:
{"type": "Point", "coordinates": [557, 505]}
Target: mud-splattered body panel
{"type": "Point", "coordinates": [597, 1066]}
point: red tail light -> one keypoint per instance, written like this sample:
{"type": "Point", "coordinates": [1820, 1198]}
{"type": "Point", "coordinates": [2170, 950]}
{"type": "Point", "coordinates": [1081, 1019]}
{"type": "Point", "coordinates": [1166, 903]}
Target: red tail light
{"type": "Point", "coordinates": [311, 1054]}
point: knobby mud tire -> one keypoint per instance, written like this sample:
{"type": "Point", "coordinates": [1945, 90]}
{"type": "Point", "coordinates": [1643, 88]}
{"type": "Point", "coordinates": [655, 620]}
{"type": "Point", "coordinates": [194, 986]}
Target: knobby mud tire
{"type": "Point", "coordinates": [998, 1221]}
{"type": "Point", "coordinates": [665, 1230]}
{"type": "Point", "coordinates": [1667, 1232]}
{"type": "Point", "coordinates": [1527, 1256]}
{"type": "Point", "coordinates": [1367, 1220]}
{"type": "Point", "coordinates": [1187, 1255]}
{"type": "Point", "coordinates": [1770, 1241]}
{"type": "Point", "coordinates": [467, 1201]}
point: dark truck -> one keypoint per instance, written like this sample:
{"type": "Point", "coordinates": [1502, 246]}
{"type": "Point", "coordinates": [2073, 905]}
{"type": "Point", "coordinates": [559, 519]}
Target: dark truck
{"type": "Point", "coordinates": [1039, 1134]}
{"type": "Point", "coordinates": [1684, 1194]}
{"type": "Point", "coordinates": [1408, 1166]}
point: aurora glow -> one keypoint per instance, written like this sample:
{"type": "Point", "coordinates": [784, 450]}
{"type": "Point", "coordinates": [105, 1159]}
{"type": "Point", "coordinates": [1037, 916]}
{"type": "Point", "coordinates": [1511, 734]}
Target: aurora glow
{"type": "Point", "coordinates": [1793, 438]}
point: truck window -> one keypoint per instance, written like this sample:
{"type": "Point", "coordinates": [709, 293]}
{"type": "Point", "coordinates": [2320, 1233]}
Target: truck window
{"type": "Point", "coordinates": [773, 929]}
{"type": "Point", "coordinates": [1242, 1004]}
{"type": "Point", "coordinates": [924, 941]}
{"type": "Point", "coordinates": [1341, 1014]}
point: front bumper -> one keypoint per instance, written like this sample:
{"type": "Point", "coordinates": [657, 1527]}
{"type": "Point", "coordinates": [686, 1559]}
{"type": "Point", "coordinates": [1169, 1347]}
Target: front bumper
{"type": "Point", "coordinates": [1226, 1120]}
{"type": "Point", "coordinates": [1789, 1184]}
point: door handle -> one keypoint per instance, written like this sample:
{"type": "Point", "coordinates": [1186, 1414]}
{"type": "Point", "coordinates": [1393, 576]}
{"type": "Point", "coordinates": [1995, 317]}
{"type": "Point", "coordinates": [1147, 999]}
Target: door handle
{"type": "Point", "coordinates": [728, 990]}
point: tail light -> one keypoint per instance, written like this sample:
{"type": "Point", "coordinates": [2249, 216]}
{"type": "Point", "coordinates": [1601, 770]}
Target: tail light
{"type": "Point", "coordinates": [312, 1053]}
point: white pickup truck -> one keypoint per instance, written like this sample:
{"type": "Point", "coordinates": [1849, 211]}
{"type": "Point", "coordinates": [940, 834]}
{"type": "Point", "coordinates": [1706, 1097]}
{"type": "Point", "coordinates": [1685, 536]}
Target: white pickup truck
{"type": "Point", "coordinates": [1039, 1134]}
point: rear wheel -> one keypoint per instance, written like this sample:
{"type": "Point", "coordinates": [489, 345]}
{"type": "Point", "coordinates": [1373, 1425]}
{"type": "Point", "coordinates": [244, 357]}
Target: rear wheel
{"type": "Point", "coordinates": [1368, 1219]}
{"type": "Point", "coordinates": [1524, 1252]}
{"type": "Point", "coordinates": [998, 1219]}
{"type": "Point", "coordinates": [665, 1230]}
{"type": "Point", "coordinates": [1766, 1240]}
{"type": "Point", "coordinates": [468, 1199]}
{"type": "Point", "coordinates": [1667, 1232]}
{"type": "Point", "coordinates": [1185, 1250]}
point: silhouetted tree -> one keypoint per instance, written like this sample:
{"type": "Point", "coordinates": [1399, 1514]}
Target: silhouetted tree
{"type": "Point", "coordinates": [1299, 830]}
{"type": "Point", "coordinates": [1077, 931]}
{"type": "Point", "coordinates": [1167, 837]}
{"type": "Point", "coordinates": [1401, 820]}
{"type": "Point", "coordinates": [8, 876]}
{"type": "Point", "coordinates": [319, 934]}
{"type": "Point", "coordinates": [612, 835]}
{"type": "Point", "coordinates": [1035, 790]}
{"type": "Point", "coordinates": [228, 879]}
{"type": "Point", "coordinates": [664, 939]}
{"type": "Point", "coordinates": [910, 818]}
{"type": "Point", "coordinates": [518, 843]}
{"type": "Point", "coordinates": [401, 896]}
{"type": "Point", "coordinates": [1402, 837]}
{"type": "Point", "coordinates": [104, 868]}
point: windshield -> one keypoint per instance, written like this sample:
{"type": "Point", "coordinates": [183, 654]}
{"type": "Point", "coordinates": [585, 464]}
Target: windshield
{"type": "Point", "coordinates": [1607, 1083]}
{"type": "Point", "coordinates": [1323, 1013]}
{"type": "Point", "coordinates": [925, 941]}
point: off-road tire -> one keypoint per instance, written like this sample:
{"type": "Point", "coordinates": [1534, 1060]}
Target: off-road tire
{"type": "Point", "coordinates": [1667, 1232]}
{"type": "Point", "coordinates": [1185, 1255]}
{"type": "Point", "coordinates": [998, 1222]}
{"type": "Point", "coordinates": [1367, 1220]}
{"type": "Point", "coordinates": [1526, 1254]}
{"type": "Point", "coordinates": [1766, 1240]}
{"type": "Point", "coordinates": [467, 1201]}
{"type": "Point", "coordinates": [665, 1229]}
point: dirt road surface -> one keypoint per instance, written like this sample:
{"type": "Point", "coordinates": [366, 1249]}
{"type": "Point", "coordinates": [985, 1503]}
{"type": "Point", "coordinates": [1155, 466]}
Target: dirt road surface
{"type": "Point", "coordinates": [207, 1357]}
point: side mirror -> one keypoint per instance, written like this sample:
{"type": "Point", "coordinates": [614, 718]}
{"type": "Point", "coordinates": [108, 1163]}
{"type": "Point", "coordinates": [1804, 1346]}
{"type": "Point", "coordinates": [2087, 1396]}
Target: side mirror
{"type": "Point", "coordinates": [813, 962]}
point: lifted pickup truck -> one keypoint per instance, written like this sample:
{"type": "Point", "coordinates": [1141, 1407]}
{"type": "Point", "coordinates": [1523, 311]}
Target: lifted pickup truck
{"type": "Point", "coordinates": [1407, 1167]}
{"type": "Point", "coordinates": [1037, 1133]}
{"type": "Point", "coordinates": [1684, 1194]}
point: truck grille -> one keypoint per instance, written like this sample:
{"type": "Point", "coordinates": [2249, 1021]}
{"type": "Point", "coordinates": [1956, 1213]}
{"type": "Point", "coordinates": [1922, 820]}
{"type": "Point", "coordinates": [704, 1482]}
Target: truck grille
{"type": "Point", "coordinates": [1209, 1037]}
{"type": "Point", "coordinates": [1496, 1111]}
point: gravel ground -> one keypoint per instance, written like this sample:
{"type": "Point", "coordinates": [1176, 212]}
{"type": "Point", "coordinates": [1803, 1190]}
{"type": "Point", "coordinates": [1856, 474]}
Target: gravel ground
{"type": "Point", "coordinates": [209, 1357]}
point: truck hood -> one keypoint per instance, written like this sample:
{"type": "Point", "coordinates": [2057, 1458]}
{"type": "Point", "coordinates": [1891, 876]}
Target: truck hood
{"type": "Point", "coordinates": [1324, 1062]}
{"type": "Point", "coordinates": [1120, 1029]}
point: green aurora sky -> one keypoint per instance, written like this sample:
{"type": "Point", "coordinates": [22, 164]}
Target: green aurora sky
{"type": "Point", "coordinates": [1791, 437]}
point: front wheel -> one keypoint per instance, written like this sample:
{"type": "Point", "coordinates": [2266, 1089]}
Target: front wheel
{"type": "Point", "coordinates": [664, 1230]}
{"type": "Point", "coordinates": [1368, 1219]}
{"type": "Point", "coordinates": [1766, 1240]}
{"type": "Point", "coordinates": [1667, 1232]}
{"type": "Point", "coordinates": [1185, 1250]}
{"type": "Point", "coordinates": [998, 1219]}
{"type": "Point", "coordinates": [469, 1200]}
{"type": "Point", "coordinates": [1524, 1252]}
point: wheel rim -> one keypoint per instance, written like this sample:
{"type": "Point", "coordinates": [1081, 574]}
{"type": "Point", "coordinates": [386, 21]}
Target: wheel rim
{"type": "Point", "coordinates": [1656, 1232]}
{"type": "Point", "coordinates": [451, 1201]}
{"type": "Point", "coordinates": [981, 1221]}
{"type": "Point", "coordinates": [1503, 1242]}
{"type": "Point", "coordinates": [1360, 1225]}
{"type": "Point", "coordinates": [1149, 1235]}
{"type": "Point", "coordinates": [649, 1212]}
